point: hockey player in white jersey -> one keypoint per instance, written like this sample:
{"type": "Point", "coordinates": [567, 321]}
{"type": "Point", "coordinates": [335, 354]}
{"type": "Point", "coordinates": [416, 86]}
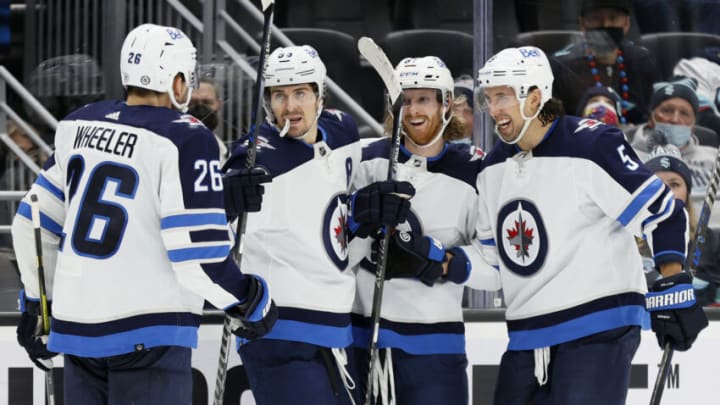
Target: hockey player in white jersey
{"type": "Point", "coordinates": [561, 198]}
{"type": "Point", "coordinates": [299, 239]}
{"type": "Point", "coordinates": [135, 237]}
{"type": "Point", "coordinates": [422, 328]}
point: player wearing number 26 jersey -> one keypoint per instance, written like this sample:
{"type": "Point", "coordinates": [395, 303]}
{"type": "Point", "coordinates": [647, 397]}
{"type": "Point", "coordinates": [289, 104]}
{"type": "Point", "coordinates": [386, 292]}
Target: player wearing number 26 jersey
{"type": "Point", "coordinates": [128, 188]}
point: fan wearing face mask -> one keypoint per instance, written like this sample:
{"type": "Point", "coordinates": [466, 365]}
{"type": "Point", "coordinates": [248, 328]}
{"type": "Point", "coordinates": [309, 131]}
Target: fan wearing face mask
{"type": "Point", "coordinates": [606, 58]}
{"type": "Point", "coordinates": [673, 109]}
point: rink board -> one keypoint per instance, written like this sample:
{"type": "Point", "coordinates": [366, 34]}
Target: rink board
{"type": "Point", "coordinates": [692, 380]}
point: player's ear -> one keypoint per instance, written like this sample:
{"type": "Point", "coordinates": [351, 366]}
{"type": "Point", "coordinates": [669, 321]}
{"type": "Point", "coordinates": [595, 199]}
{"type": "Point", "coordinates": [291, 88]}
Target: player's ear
{"type": "Point", "coordinates": [534, 99]}
{"type": "Point", "coordinates": [178, 87]}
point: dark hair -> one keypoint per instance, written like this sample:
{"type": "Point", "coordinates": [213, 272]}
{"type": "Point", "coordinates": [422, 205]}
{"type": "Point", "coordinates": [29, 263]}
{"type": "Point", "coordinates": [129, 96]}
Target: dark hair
{"type": "Point", "coordinates": [552, 110]}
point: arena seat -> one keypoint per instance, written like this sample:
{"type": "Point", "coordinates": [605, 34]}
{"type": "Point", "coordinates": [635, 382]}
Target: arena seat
{"type": "Point", "coordinates": [549, 41]}
{"type": "Point", "coordinates": [669, 47]}
{"type": "Point", "coordinates": [455, 48]}
{"type": "Point", "coordinates": [356, 18]}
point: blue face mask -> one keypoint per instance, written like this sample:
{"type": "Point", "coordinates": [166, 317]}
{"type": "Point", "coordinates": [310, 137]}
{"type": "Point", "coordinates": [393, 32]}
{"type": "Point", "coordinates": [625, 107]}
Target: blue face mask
{"type": "Point", "coordinates": [678, 135]}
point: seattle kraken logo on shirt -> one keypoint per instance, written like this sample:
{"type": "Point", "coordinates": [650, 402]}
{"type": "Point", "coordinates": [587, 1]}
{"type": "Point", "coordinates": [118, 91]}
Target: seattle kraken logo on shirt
{"type": "Point", "coordinates": [334, 231]}
{"type": "Point", "coordinates": [521, 237]}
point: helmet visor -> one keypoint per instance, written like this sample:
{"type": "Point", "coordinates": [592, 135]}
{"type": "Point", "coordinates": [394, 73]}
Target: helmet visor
{"type": "Point", "coordinates": [495, 98]}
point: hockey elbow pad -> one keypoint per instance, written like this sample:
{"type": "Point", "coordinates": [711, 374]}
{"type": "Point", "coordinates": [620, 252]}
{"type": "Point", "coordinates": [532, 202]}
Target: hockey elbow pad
{"type": "Point", "coordinates": [256, 316]}
{"type": "Point", "coordinates": [675, 315]}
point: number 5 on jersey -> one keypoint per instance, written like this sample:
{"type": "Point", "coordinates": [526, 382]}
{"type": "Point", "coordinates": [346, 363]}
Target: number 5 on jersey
{"type": "Point", "coordinates": [629, 163]}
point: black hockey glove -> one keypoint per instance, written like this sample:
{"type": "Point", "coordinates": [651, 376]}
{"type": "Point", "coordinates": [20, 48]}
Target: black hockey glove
{"type": "Point", "coordinates": [383, 203]}
{"type": "Point", "coordinates": [244, 190]}
{"type": "Point", "coordinates": [675, 315]}
{"type": "Point", "coordinates": [30, 334]}
{"type": "Point", "coordinates": [256, 316]}
{"type": "Point", "coordinates": [413, 256]}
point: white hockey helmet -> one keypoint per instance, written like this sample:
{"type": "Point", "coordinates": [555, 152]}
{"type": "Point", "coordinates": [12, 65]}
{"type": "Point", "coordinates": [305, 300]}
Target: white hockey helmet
{"type": "Point", "coordinates": [294, 65]}
{"type": "Point", "coordinates": [521, 69]}
{"type": "Point", "coordinates": [428, 72]}
{"type": "Point", "coordinates": [152, 55]}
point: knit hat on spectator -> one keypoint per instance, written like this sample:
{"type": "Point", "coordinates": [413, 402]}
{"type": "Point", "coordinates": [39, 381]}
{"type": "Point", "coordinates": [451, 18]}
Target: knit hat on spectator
{"type": "Point", "coordinates": [667, 158]}
{"type": "Point", "coordinates": [464, 86]}
{"type": "Point", "coordinates": [590, 5]}
{"type": "Point", "coordinates": [683, 87]}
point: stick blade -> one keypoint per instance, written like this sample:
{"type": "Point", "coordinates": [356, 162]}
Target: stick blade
{"type": "Point", "coordinates": [379, 61]}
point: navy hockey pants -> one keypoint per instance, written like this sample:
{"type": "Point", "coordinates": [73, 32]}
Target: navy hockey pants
{"type": "Point", "coordinates": [156, 376]}
{"type": "Point", "coordinates": [292, 373]}
{"type": "Point", "coordinates": [428, 379]}
{"type": "Point", "coordinates": [594, 370]}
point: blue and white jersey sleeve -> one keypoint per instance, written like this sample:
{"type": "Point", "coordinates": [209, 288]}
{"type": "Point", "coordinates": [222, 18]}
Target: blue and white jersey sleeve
{"type": "Point", "coordinates": [193, 222]}
{"type": "Point", "coordinates": [482, 253]}
{"type": "Point", "coordinates": [51, 202]}
{"type": "Point", "coordinates": [627, 191]}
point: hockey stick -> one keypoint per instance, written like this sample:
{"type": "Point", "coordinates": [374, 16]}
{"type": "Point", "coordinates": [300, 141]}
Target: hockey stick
{"type": "Point", "coordinates": [44, 312]}
{"type": "Point", "coordinates": [226, 341]}
{"type": "Point", "coordinates": [693, 259]}
{"type": "Point", "coordinates": [379, 61]}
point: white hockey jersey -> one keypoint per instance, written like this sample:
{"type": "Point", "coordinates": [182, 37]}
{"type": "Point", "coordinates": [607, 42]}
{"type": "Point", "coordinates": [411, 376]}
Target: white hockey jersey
{"type": "Point", "coordinates": [561, 219]}
{"type": "Point", "coordinates": [134, 231]}
{"type": "Point", "coordinates": [416, 318]}
{"type": "Point", "coordinates": [298, 241]}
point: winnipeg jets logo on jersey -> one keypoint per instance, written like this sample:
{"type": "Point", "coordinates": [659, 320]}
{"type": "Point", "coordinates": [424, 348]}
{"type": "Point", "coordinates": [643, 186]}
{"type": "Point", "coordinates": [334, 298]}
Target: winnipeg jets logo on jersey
{"type": "Point", "coordinates": [335, 237]}
{"type": "Point", "coordinates": [588, 123]}
{"type": "Point", "coordinates": [336, 113]}
{"type": "Point", "coordinates": [190, 120]}
{"type": "Point", "coordinates": [476, 153]}
{"type": "Point", "coordinates": [522, 238]}
{"type": "Point", "coordinates": [262, 143]}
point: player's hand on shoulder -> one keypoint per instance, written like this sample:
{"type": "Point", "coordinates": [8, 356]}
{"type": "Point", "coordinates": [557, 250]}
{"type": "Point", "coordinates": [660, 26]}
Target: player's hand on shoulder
{"type": "Point", "coordinates": [675, 314]}
{"type": "Point", "coordinates": [30, 334]}
{"type": "Point", "coordinates": [411, 255]}
{"type": "Point", "coordinates": [383, 203]}
{"type": "Point", "coordinates": [244, 190]}
{"type": "Point", "coordinates": [257, 315]}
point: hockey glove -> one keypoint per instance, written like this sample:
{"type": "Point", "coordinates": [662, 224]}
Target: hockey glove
{"type": "Point", "coordinates": [30, 334]}
{"type": "Point", "coordinates": [383, 203]}
{"type": "Point", "coordinates": [413, 256]}
{"type": "Point", "coordinates": [675, 315]}
{"type": "Point", "coordinates": [244, 190]}
{"type": "Point", "coordinates": [256, 316]}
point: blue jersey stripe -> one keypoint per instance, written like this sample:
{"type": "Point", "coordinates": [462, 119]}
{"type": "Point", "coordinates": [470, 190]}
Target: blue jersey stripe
{"type": "Point", "coordinates": [45, 221]}
{"type": "Point", "coordinates": [196, 253]}
{"type": "Point", "coordinates": [321, 335]}
{"type": "Point", "coordinates": [487, 242]}
{"type": "Point", "coordinates": [45, 183]}
{"type": "Point", "coordinates": [125, 324]}
{"type": "Point", "coordinates": [577, 328]}
{"type": "Point", "coordinates": [639, 201]}
{"type": "Point", "coordinates": [668, 207]}
{"type": "Point", "coordinates": [123, 342]}
{"type": "Point", "coordinates": [188, 220]}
